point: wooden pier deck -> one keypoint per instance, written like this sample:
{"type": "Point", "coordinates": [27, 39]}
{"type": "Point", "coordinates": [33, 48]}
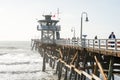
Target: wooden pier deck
{"type": "Point", "coordinates": [91, 61]}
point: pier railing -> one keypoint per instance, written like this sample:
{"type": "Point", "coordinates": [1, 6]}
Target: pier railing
{"type": "Point", "coordinates": [108, 44]}
{"type": "Point", "coordinates": [112, 44]}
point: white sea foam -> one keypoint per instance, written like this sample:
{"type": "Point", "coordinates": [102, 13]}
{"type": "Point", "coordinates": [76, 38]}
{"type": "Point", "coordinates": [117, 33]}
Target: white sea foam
{"type": "Point", "coordinates": [18, 62]}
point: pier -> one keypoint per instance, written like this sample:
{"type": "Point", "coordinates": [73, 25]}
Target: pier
{"type": "Point", "coordinates": [77, 59]}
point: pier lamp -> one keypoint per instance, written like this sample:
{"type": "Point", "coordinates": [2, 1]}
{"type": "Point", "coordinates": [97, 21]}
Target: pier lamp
{"type": "Point", "coordinates": [83, 13]}
{"type": "Point", "coordinates": [73, 38]}
{"type": "Point", "coordinates": [73, 30]}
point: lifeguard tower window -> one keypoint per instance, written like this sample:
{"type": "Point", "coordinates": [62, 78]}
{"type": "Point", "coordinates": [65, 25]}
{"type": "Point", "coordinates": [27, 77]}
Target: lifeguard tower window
{"type": "Point", "coordinates": [43, 23]}
{"type": "Point", "coordinates": [49, 24]}
{"type": "Point", "coordinates": [53, 24]}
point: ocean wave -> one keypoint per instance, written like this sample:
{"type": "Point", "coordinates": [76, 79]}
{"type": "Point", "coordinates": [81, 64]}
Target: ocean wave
{"type": "Point", "coordinates": [8, 47]}
{"type": "Point", "coordinates": [19, 72]}
{"type": "Point", "coordinates": [1, 54]}
{"type": "Point", "coordinates": [18, 63]}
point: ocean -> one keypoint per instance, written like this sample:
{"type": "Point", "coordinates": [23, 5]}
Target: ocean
{"type": "Point", "coordinates": [18, 62]}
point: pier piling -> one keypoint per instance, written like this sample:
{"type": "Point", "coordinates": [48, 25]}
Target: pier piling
{"type": "Point", "coordinates": [79, 63]}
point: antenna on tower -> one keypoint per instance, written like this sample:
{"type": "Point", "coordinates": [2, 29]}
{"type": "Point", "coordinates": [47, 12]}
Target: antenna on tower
{"type": "Point", "coordinates": [58, 13]}
{"type": "Point", "coordinates": [43, 14]}
{"type": "Point", "coordinates": [50, 13]}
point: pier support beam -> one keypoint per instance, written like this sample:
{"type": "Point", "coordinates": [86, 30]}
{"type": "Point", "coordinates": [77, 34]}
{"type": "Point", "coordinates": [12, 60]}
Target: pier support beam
{"type": "Point", "coordinates": [44, 66]}
{"type": "Point", "coordinates": [100, 68]}
{"type": "Point", "coordinates": [110, 74]}
{"type": "Point", "coordinates": [60, 71]}
{"type": "Point", "coordinates": [79, 63]}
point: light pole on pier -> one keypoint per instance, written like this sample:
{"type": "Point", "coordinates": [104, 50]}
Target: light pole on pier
{"type": "Point", "coordinates": [82, 24]}
{"type": "Point", "coordinates": [73, 30]}
{"type": "Point", "coordinates": [73, 38]}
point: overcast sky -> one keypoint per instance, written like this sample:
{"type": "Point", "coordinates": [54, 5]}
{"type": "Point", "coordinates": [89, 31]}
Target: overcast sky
{"type": "Point", "coordinates": [18, 17]}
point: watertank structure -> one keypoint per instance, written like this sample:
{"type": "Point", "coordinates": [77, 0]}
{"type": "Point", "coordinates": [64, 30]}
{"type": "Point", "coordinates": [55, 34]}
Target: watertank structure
{"type": "Point", "coordinates": [49, 29]}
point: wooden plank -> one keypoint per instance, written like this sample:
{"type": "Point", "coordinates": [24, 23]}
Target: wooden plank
{"type": "Point", "coordinates": [87, 75]}
{"type": "Point", "coordinates": [60, 52]}
{"type": "Point", "coordinates": [100, 67]}
{"type": "Point", "coordinates": [74, 58]}
{"type": "Point", "coordinates": [83, 72]}
{"type": "Point", "coordinates": [95, 77]}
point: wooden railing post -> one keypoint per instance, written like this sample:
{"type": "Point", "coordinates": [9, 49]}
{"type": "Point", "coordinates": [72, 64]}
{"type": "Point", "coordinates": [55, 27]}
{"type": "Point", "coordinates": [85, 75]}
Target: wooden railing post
{"type": "Point", "coordinates": [93, 43]}
{"type": "Point", "coordinates": [106, 44]}
{"type": "Point", "coordinates": [115, 44]}
{"type": "Point", "coordinates": [99, 43]}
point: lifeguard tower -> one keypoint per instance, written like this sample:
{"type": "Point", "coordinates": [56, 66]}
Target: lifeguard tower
{"type": "Point", "coordinates": [49, 29]}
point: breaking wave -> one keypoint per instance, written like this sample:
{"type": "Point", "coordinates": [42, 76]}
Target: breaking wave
{"type": "Point", "coordinates": [8, 47]}
{"type": "Point", "coordinates": [18, 63]}
{"type": "Point", "coordinates": [1, 54]}
{"type": "Point", "coordinates": [19, 72]}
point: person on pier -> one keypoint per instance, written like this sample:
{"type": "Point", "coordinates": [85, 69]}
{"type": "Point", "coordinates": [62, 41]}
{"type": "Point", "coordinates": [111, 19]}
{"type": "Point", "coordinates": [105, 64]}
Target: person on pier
{"type": "Point", "coordinates": [96, 39]}
{"type": "Point", "coordinates": [112, 36]}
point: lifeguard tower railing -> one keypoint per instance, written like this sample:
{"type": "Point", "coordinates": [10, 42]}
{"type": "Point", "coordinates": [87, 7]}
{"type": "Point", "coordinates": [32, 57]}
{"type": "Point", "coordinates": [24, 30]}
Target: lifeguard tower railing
{"type": "Point", "coordinates": [107, 44]}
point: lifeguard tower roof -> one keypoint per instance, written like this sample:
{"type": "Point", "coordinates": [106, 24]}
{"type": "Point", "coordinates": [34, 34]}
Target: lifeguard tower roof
{"type": "Point", "coordinates": [48, 19]}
